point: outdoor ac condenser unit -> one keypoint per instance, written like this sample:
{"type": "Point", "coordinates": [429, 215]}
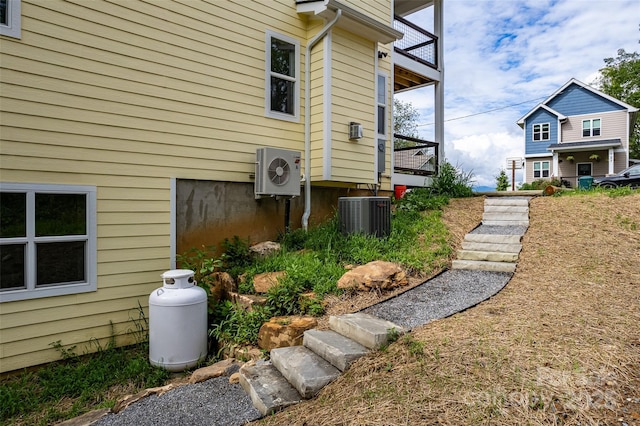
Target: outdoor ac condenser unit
{"type": "Point", "coordinates": [277, 172]}
{"type": "Point", "coordinates": [368, 215]}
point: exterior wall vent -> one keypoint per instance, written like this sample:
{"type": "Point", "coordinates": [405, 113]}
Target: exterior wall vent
{"type": "Point", "coordinates": [277, 172]}
{"type": "Point", "coordinates": [368, 215]}
{"type": "Point", "coordinates": [355, 131]}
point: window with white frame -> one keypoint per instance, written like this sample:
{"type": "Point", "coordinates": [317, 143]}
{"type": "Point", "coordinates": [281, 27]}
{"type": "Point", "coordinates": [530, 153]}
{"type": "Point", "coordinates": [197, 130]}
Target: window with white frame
{"type": "Point", "coordinates": [381, 102]}
{"type": "Point", "coordinates": [10, 18]}
{"type": "Point", "coordinates": [541, 169]}
{"type": "Point", "coordinates": [591, 127]}
{"type": "Point", "coordinates": [282, 77]}
{"type": "Point", "coordinates": [47, 240]}
{"type": "Point", "coordinates": [541, 132]}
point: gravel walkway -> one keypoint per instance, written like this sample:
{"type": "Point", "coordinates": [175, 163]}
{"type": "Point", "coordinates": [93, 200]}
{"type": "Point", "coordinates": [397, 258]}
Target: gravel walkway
{"type": "Point", "coordinates": [214, 402]}
{"type": "Point", "coordinates": [446, 294]}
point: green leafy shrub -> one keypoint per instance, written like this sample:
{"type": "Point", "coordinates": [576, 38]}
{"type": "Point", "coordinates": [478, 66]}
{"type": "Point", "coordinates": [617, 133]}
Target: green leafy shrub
{"type": "Point", "coordinates": [452, 181]}
{"type": "Point", "coordinates": [233, 324]}
{"type": "Point", "coordinates": [236, 256]}
{"type": "Point", "coordinates": [539, 184]}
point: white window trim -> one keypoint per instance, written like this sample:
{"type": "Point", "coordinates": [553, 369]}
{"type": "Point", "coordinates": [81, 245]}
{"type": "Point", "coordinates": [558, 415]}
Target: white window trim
{"type": "Point", "coordinates": [13, 26]}
{"type": "Point", "coordinates": [295, 117]}
{"type": "Point", "coordinates": [385, 104]}
{"type": "Point", "coordinates": [533, 167]}
{"type": "Point", "coordinates": [31, 292]}
{"type": "Point", "coordinates": [533, 132]}
{"type": "Point", "coordinates": [591, 120]}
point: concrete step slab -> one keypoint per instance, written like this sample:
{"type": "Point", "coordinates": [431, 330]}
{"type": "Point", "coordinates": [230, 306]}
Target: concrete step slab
{"type": "Point", "coordinates": [504, 248]}
{"type": "Point", "coordinates": [506, 201]}
{"type": "Point", "coordinates": [493, 238]}
{"type": "Point", "coordinates": [505, 216]}
{"type": "Point", "coordinates": [505, 222]}
{"type": "Point", "coordinates": [340, 351]}
{"type": "Point", "coordinates": [506, 209]}
{"type": "Point", "coordinates": [268, 389]}
{"type": "Point", "coordinates": [304, 369]}
{"type": "Point", "coordinates": [491, 256]}
{"type": "Point", "coordinates": [479, 265]}
{"type": "Point", "coordinates": [371, 332]}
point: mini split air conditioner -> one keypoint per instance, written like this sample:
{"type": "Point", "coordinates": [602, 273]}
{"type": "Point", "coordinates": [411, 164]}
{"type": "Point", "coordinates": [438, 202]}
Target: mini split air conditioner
{"type": "Point", "coordinates": [367, 215]}
{"type": "Point", "coordinates": [277, 172]}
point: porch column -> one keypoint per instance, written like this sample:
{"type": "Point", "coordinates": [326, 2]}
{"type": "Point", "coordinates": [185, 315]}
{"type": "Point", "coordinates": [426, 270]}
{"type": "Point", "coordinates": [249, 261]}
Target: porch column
{"type": "Point", "coordinates": [438, 28]}
{"type": "Point", "coordinates": [555, 167]}
{"type": "Point", "coordinates": [611, 161]}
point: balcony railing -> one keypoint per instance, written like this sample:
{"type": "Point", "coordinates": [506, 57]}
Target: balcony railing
{"type": "Point", "coordinates": [415, 156]}
{"type": "Point", "coordinates": [417, 43]}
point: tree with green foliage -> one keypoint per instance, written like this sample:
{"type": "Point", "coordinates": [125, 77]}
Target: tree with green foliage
{"type": "Point", "coordinates": [620, 78]}
{"type": "Point", "coordinates": [502, 181]}
{"type": "Point", "coordinates": [405, 122]}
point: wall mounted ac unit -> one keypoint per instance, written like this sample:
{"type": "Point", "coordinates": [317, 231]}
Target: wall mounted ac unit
{"type": "Point", "coordinates": [277, 172]}
{"type": "Point", "coordinates": [368, 215]}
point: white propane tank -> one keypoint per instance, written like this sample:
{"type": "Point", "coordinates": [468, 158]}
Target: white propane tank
{"type": "Point", "coordinates": [177, 322]}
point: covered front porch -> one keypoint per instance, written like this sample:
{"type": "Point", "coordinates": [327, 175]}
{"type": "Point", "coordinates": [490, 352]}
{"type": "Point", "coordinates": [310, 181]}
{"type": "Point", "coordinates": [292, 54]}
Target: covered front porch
{"type": "Point", "coordinates": [571, 160]}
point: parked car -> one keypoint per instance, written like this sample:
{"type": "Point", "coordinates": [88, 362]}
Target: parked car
{"type": "Point", "coordinates": [629, 176]}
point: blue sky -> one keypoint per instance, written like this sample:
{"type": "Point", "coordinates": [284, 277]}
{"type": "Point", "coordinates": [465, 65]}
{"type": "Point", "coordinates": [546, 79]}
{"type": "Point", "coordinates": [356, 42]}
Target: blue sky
{"type": "Point", "coordinates": [508, 56]}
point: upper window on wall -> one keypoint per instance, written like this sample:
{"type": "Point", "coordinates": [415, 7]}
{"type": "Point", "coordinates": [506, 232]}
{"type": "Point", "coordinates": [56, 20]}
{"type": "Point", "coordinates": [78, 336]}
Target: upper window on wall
{"type": "Point", "coordinates": [591, 127]}
{"type": "Point", "coordinates": [47, 240]}
{"type": "Point", "coordinates": [541, 132]}
{"type": "Point", "coordinates": [282, 77]}
{"type": "Point", "coordinates": [381, 100]}
{"type": "Point", "coordinates": [10, 18]}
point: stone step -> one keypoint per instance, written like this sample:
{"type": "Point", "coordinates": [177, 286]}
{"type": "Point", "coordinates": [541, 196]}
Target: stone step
{"type": "Point", "coordinates": [504, 248]}
{"type": "Point", "coordinates": [340, 351]}
{"type": "Point", "coordinates": [491, 256]}
{"type": "Point", "coordinates": [505, 222]}
{"type": "Point", "coordinates": [507, 201]}
{"type": "Point", "coordinates": [493, 238]}
{"type": "Point", "coordinates": [268, 389]}
{"type": "Point", "coordinates": [506, 209]}
{"type": "Point", "coordinates": [369, 331]}
{"type": "Point", "coordinates": [304, 369]}
{"type": "Point", "coordinates": [480, 265]}
{"type": "Point", "coordinates": [505, 216]}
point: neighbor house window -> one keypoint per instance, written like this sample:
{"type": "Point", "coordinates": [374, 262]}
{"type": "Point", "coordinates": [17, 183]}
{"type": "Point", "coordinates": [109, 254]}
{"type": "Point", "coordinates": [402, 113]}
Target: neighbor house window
{"type": "Point", "coordinates": [591, 127]}
{"type": "Point", "coordinates": [282, 77]}
{"type": "Point", "coordinates": [47, 240]}
{"type": "Point", "coordinates": [540, 169]}
{"type": "Point", "coordinates": [10, 18]}
{"type": "Point", "coordinates": [541, 132]}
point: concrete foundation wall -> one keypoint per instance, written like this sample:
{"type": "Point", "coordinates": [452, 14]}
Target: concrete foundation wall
{"type": "Point", "coordinates": [207, 212]}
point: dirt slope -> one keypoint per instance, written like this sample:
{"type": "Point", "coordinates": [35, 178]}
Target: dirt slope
{"type": "Point", "coordinates": [559, 345]}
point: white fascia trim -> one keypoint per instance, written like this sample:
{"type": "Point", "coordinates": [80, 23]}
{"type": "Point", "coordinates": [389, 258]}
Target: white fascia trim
{"type": "Point", "coordinates": [173, 196]}
{"type": "Point", "coordinates": [326, 107]}
{"type": "Point", "coordinates": [538, 156]}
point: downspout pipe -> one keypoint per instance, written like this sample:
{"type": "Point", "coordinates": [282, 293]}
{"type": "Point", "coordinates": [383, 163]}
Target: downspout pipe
{"type": "Point", "coordinates": [307, 117]}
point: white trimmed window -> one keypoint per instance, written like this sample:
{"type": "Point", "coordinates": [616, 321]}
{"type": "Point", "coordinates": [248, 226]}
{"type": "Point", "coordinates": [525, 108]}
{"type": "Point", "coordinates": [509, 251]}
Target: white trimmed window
{"type": "Point", "coordinates": [282, 77]}
{"type": "Point", "coordinates": [47, 240]}
{"type": "Point", "coordinates": [381, 102]}
{"type": "Point", "coordinates": [10, 18]}
{"type": "Point", "coordinates": [591, 127]}
{"type": "Point", "coordinates": [541, 132]}
{"type": "Point", "coordinates": [541, 169]}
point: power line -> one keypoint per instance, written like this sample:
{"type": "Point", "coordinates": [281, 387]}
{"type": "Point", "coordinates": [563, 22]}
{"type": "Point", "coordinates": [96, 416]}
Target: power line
{"type": "Point", "coordinates": [483, 112]}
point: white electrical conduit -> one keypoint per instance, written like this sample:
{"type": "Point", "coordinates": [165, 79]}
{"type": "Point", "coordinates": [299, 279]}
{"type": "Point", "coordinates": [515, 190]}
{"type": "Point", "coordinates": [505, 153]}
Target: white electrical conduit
{"type": "Point", "coordinates": [307, 118]}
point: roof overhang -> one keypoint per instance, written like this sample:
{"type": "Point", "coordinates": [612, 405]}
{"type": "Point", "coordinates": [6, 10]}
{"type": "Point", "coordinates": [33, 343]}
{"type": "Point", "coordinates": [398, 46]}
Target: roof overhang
{"type": "Point", "coordinates": [407, 7]}
{"type": "Point", "coordinates": [351, 20]}
{"type": "Point", "coordinates": [539, 106]}
{"type": "Point", "coordinates": [585, 145]}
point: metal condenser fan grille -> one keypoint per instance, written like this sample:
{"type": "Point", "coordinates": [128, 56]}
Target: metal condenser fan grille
{"type": "Point", "coordinates": [279, 171]}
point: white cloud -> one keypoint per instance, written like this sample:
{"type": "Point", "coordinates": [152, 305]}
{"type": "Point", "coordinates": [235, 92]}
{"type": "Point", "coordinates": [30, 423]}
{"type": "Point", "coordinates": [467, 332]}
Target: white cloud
{"type": "Point", "coordinates": [500, 53]}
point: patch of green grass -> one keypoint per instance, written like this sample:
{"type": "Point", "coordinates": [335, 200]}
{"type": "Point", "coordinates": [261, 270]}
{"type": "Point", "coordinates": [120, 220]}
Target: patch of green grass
{"type": "Point", "coordinates": [85, 379]}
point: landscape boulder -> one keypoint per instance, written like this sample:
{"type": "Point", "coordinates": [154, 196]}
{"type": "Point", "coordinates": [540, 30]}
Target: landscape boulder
{"type": "Point", "coordinates": [264, 249]}
{"type": "Point", "coordinates": [376, 275]}
{"type": "Point", "coordinates": [263, 282]}
{"type": "Point", "coordinates": [280, 332]}
{"type": "Point", "coordinates": [247, 301]}
{"type": "Point", "coordinates": [222, 368]}
{"type": "Point", "coordinates": [220, 285]}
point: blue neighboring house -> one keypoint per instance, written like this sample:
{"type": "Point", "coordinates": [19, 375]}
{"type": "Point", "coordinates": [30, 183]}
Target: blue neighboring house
{"type": "Point", "coordinates": [577, 131]}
